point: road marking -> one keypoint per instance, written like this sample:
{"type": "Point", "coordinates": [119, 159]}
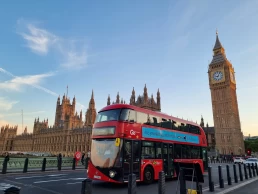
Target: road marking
{"type": "Point", "coordinates": [73, 183]}
{"type": "Point", "coordinates": [33, 186]}
{"type": "Point", "coordinates": [4, 186]}
{"type": "Point", "coordinates": [28, 177]}
{"type": "Point", "coordinates": [56, 180]}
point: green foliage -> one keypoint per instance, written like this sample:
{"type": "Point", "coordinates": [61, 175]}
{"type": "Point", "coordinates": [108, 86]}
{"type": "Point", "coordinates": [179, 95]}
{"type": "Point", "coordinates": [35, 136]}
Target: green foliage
{"type": "Point", "coordinates": [251, 144]}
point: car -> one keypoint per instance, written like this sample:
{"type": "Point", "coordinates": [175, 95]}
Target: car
{"type": "Point", "coordinates": [238, 160]}
{"type": "Point", "coordinates": [251, 161]}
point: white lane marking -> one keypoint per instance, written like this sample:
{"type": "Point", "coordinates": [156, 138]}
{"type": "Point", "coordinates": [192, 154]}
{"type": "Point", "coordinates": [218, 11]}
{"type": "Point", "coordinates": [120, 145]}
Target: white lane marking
{"type": "Point", "coordinates": [73, 183]}
{"type": "Point", "coordinates": [4, 186]}
{"type": "Point", "coordinates": [28, 177]}
{"type": "Point", "coordinates": [56, 180]}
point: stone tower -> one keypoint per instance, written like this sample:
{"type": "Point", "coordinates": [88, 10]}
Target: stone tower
{"type": "Point", "coordinates": [141, 101]}
{"type": "Point", "coordinates": [145, 102]}
{"type": "Point", "coordinates": [228, 134]}
{"type": "Point", "coordinates": [91, 113]}
{"type": "Point", "coordinates": [66, 117]}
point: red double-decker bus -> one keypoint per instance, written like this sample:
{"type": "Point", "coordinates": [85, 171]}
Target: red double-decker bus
{"type": "Point", "coordinates": [160, 142]}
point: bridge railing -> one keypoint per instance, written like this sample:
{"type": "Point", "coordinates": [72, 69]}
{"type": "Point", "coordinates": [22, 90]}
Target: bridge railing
{"type": "Point", "coordinates": [36, 164]}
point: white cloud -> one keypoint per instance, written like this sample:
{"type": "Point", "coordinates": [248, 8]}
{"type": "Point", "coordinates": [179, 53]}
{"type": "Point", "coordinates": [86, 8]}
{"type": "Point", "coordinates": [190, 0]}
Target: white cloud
{"type": "Point", "coordinates": [75, 59]}
{"type": "Point", "coordinates": [16, 83]}
{"type": "Point", "coordinates": [41, 41]}
{"type": "Point", "coordinates": [6, 104]}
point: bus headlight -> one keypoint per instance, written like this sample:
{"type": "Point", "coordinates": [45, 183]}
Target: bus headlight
{"type": "Point", "coordinates": [112, 174]}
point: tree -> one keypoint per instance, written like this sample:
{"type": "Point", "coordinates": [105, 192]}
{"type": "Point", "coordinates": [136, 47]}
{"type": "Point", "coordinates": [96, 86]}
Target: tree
{"type": "Point", "coordinates": [251, 144]}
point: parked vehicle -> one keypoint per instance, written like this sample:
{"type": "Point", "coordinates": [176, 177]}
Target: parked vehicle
{"type": "Point", "coordinates": [251, 161]}
{"type": "Point", "coordinates": [238, 160]}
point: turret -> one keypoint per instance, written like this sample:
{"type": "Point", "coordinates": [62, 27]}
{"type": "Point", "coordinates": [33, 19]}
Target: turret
{"type": "Point", "coordinates": [158, 97]}
{"type": "Point", "coordinates": [202, 122]}
{"type": "Point", "coordinates": [58, 101]}
{"type": "Point", "coordinates": [145, 94]}
{"type": "Point", "coordinates": [117, 98]}
{"type": "Point", "coordinates": [108, 100]}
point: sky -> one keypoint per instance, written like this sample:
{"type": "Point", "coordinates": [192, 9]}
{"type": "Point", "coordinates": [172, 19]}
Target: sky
{"type": "Point", "coordinates": [113, 46]}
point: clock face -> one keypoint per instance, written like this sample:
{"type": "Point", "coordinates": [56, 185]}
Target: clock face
{"type": "Point", "coordinates": [218, 75]}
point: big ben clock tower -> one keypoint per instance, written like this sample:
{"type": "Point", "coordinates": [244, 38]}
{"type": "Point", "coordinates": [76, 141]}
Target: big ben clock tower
{"type": "Point", "coordinates": [228, 134]}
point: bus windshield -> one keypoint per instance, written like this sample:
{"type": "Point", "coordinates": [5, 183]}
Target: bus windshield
{"type": "Point", "coordinates": [108, 115]}
{"type": "Point", "coordinates": [104, 152]}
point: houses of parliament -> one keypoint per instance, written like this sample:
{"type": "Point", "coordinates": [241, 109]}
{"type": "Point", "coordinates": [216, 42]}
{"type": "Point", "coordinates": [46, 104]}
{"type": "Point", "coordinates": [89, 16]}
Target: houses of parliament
{"type": "Point", "coordinates": [70, 133]}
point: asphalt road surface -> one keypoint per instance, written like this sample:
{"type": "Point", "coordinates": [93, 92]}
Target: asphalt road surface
{"type": "Point", "coordinates": [251, 188]}
{"type": "Point", "coordinates": [67, 182]}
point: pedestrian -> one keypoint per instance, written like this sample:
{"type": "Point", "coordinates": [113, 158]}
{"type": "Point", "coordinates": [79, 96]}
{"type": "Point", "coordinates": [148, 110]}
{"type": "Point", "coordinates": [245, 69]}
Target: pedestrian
{"type": "Point", "coordinates": [7, 158]}
{"type": "Point", "coordinates": [82, 159]}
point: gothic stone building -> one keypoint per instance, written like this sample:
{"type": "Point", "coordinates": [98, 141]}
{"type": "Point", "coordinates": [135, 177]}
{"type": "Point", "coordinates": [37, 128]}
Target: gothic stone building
{"type": "Point", "coordinates": [141, 101]}
{"type": "Point", "coordinates": [228, 134]}
{"type": "Point", "coordinates": [68, 134]}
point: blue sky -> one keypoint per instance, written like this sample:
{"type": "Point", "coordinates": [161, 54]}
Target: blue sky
{"type": "Point", "coordinates": [112, 46]}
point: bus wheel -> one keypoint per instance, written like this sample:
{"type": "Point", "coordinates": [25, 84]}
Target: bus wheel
{"type": "Point", "coordinates": [148, 175]}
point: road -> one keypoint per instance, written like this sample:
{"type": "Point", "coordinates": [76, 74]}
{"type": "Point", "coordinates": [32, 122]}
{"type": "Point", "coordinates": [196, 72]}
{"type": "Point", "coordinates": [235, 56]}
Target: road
{"type": "Point", "coordinates": [251, 188]}
{"type": "Point", "coordinates": [67, 182]}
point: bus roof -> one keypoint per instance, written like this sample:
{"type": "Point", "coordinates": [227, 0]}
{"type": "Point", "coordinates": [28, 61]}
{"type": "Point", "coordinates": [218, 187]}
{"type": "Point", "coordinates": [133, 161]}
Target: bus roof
{"type": "Point", "coordinates": [155, 113]}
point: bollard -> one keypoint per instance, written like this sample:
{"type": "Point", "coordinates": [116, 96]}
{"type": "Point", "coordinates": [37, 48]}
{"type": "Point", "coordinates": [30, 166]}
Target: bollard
{"type": "Point", "coordinates": [256, 168]}
{"type": "Point", "coordinates": [228, 176]}
{"type": "Point", "coordinates": [59, 163]}
{"type": "Point", "coordinates": [25, 168]}
{"type": "Point", "coordinates": [4, 169]}
{"type": "Point", "coordinates": [221, 180]}
{"type": "Point", "coordinates": [74, 161]}
{"type": "Point", "coordinates": [235, 173]}
{"type": "Point", "coordinates": [161, 182]}
{"type": "Point", "coordinates": [132, 184]}
{"type": "Point", "coordinates": [253, 170]}
{"type": "Point", "coordinates": [240, 172]}
{"type": "Point", "coordinates": [250, 172]}
{"type": "Point", "coordinates": [246, 176]}
{"type": "Point", "coordinates": [182, 181]}
{"type": "Point", "coordinates": [86, 186]}
{"type": "Point", "coordinates": [44, 164]}
{"type": "Point", "coordinates": [211, 183]}
{"type": "Point", "coordinates": [12, 190]}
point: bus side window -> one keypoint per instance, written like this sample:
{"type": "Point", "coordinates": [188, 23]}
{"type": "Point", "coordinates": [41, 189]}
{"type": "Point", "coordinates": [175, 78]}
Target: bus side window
{"type": "Point", "coordinates": [177, 151]}
{"type": "Point", "coordinates": [158, 151]}
{"type": "Point", "coordinates": [195, 152]}
{"type": "Point", "coordinates": [132, 116]}
{"type": "Point", "coordinates": [176, 126]}
{"type": "Point", "coordinates": [141, 117]}
{"type": "Point", "coordinates": [194, 129]}
{"type": "Point", "coordinates": [166, 124]}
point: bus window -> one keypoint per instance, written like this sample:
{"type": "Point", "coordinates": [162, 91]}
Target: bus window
{"type": "Point", "coordinates": [109, 115]}
{"type": "Point", "coordinates": [148, 150]}
{"type": "Point", "coordinates": [177, 126]}
{"type": "Point", "coordinates": [128, 115]}
{"type": "Point", "coordinates": [194, 129]}
{"type": "Point", "coordinates": [141, 117]}
{"type": "Point", "coordinates": [166, 123]}
{"type": "Point", "coordinates": [177, 151]}
{"type": "Point", "coordinates": [158, 151]}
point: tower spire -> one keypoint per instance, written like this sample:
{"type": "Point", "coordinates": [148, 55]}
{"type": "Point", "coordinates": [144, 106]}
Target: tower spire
{"type": "Point", "coordinates": [217, 45]}
{"type": "Point", "coordinates": [67, 91]}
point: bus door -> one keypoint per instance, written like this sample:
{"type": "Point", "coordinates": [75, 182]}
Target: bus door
{"type": "Point", "coordinates": [168, 160]}
{"type": "Point", "coordinates": [128, 156]}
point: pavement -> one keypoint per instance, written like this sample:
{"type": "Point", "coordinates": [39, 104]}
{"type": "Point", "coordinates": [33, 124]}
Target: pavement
{"type": "Point", "coordinates": [70, 181]}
